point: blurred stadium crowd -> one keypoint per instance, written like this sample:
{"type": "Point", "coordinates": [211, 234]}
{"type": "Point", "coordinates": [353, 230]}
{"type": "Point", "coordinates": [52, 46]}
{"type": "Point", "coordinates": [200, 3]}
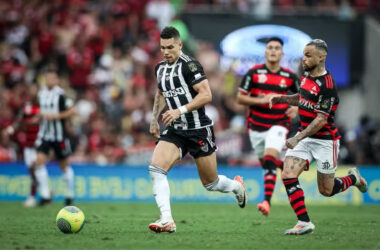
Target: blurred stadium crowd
{"type": "Point", "coordinates": [105, 53]}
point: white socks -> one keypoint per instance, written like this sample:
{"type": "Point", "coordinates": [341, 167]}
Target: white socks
{"type": "Point", "coordinates": [68, 176]}
{"type": "Point", "coordinates": [224, 185]}
{"type": "Point", "coordinates": [42, 180]}
{"type": "Point", "coordinates": [161, 191]}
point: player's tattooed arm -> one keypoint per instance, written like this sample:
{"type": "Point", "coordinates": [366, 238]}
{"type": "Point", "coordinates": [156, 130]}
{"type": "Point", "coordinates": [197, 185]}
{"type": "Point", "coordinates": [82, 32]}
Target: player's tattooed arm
{"type": "Point", "coordinates": [289, 99]}
{"type": "Point", "coordinates": [158, 106]}
{"type": "Point", "coordinates": [313, 128]}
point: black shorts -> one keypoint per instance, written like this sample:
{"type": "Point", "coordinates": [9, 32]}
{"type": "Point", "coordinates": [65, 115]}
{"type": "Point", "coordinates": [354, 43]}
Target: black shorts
{"type": "Point", "coordinates": [198, 142]}
{"type": "Point", "coordinates": [61, 149]}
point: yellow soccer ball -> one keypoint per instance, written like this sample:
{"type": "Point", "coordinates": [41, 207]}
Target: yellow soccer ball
{"type": "Point", "coordinates": [70, 219]}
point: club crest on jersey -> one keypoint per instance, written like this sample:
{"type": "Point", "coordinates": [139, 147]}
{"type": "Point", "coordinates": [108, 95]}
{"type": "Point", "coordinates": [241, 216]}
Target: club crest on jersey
{"type": "Point", "coordinates": [192, 67]}
{"type": "Point", "coordinates": [262, 78]}
{"type": "Point", "coordinates": [303, 81]}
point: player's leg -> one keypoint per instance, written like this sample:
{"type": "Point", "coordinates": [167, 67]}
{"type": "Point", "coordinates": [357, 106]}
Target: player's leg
{"type": "Point", "coordinates": [42, 174]}
{"type": "Point", "coordinates": [165, 155]}
{"type": "Point", "coordinates": [30, 155]}
{"type": "Point", "coordinates": [326, 155]}
{"type": "Point", "coordinates": [201, 145]}
{"type": "Point", "coordinates": [207, 170]}
{"type": "Point", "coordinates": [296, 161]}
{"type": "Point", "coordinates": [274, 143]}
{"type": "Point", "coordinates": [62, 152]}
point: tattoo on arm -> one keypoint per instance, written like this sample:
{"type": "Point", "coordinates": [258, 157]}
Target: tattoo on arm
{"type": "Point", "coordinates": [313, 127]}
{"type": "Point", "coordinates": [290, 99]}
{"type": "Point", "coordinates": [158, 105]}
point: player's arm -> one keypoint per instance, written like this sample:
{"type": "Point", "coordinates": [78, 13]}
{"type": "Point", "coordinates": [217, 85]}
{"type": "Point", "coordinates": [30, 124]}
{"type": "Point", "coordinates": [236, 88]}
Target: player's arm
{"type": "Point", "coordinates": [66, 107]}
{"type": "Point", "coordinates": [289, 99]}
{"type": "Point", "coordinates": [202, 98]}
{"type": "Point", "coordinates": [158, 105]}
{"type": "Point", "coordinates": [310, 130]}
{"type": "Point", "coordinates": [244, 99]}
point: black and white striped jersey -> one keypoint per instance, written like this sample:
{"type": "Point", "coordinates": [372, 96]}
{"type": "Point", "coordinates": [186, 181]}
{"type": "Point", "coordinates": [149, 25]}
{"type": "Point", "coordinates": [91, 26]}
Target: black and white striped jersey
{"type": "Point", "coordinates": [176, 83]}
{"type": "Point", "coordinates": [52, 101]}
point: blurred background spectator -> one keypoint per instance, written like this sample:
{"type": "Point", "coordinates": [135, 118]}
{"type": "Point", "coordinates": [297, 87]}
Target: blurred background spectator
{"type": "Point", "coordinates": [105, 52]}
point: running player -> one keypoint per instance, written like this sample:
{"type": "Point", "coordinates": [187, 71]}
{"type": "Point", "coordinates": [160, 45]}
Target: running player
{"type": "Point", "coordinates": [28, 122]}
{"type": "Point", "coordinates": [184, 89]}
{"type": "Point", "coordinates": [55, 109]}
{"type": "Point", "coordinates": [318, 137]}
{"type": "Point", "coordinates": [268, 128]}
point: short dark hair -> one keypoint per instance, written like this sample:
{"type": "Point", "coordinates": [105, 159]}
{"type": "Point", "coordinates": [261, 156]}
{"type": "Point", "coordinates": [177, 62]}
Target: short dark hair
{"type": "Point", "coordinates": [169, 32]}
{"type": "Point", "coordinates": [319, 44]}
{"type": "Point", "coordinates": [276, 39]}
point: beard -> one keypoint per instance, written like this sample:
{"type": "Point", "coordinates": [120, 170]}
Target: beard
{"type": "Point", "coordinates": [308, 67]}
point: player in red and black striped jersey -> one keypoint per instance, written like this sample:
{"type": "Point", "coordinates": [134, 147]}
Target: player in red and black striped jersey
{"type": "Point", "coordinates": [27, 124]}
{"type": "Point", "coordinates": [268, 128]}
{"type": "Point", "coordinates": [318, 138]}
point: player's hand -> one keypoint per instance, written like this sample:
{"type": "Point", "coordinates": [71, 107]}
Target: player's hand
{"type": "Point", "coordinates": [292, 111]}
{"type": "Point", "coordinates": [170, 116]}
{"type": "Point", "coordinates": [50, 117]}
{"type": "Point", "coordinates": [292, 142]}
{"type": "Point", "coordinates": [274, 99]}
{"type": "Point", "coordinates": [154, 128]}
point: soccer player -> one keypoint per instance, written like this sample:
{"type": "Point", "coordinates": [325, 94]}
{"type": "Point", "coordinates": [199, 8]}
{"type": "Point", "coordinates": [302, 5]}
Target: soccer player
{"type": "Point", "coordinates": [184, 89]}
{"type": "Point", "coordinates": [28, 122]}
{"type": "Point", "coordinates": [268, 128]}
{"type": "Point", "coordinates": [318, 137]}
{"type": "Point", "coordinates": [55, 109]}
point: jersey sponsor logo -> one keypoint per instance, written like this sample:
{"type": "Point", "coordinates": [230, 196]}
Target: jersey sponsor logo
{"type": "Point", "coordinates": [197, 76]}
{"type": "Point", "coordinates": [174, 92]}
{"type": "Point", "coordinates": [283, 83]}
{"type": "Point", "coordinates": [314, 91]}
{"type": "Point", "coordinates": [286, 74]}
{"type": "Point", "coordinates": [306, 103]}
{"type": "Point", "coordinates": [318, 82]}
{"type": "Point", "coordinates": [262, 78]}
{"type": "Point", "coordinates": [262, 71]}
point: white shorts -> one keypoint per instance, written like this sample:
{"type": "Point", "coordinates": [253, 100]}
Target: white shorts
{"type": "Point", "coordinates": [324, 152]}
{"type": "Point", "coordinates": [275, 138]}
{"type": "Point", "coordinates": [30, 156]}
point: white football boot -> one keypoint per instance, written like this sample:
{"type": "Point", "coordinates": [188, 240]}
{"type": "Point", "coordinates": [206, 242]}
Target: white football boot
{"type": "Point", "coordinates": [30, 202]}
{"type": "Point", "coordinates": [300, 228]}
{"type": "Point", "coordinates": [360, 183]}
{"type": "Point", "coordinates": [242, 196]}
{"type": "Point", "coordinates": [161, 225]}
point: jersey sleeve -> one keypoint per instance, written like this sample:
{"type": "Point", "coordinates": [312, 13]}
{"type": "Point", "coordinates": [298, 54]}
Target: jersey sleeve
{"type": "Point", "coordinates": [193, 73]}
{"type": "Point", "coordinates": [295, 85]}
{"type": "Point", "coordinates": [246, 83]}
{"type": "Point", "coordinates": [65, 103]}
{"type": "Point", "coordinates": [325, 102]}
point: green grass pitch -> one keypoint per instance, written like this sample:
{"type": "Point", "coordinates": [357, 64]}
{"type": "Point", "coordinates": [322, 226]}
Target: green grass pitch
{"type": "Point", "coordinates": [199, 226]}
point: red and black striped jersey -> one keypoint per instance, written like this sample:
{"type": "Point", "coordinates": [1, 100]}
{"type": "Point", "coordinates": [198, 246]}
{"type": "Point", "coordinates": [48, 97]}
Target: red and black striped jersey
{"type": "Point", "coordinates": [259, 81]}
{"type": "Point", "coordinates": [30, 123]}
{"type": "Point", "coordinates": [319, 95]}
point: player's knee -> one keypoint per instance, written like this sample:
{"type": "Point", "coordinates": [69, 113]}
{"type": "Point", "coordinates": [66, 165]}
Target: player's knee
{"type": "Point", "coordinates": [325, 191]}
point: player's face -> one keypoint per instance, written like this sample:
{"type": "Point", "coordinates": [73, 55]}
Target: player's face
{"type": "Point", "coordinates": [273, 52]}
{"type": "Point", "coordinates": [312, 57]}
{"type": "Point", "coordinates": [51, 79]}
{"type": "Point", "coordinates": [171, 49]}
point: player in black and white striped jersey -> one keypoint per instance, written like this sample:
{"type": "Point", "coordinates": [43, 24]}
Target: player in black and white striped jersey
{"type": "Point", "coordinates": [55, 109]}
{"type": "Point", "coordinates": [184, 89]}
